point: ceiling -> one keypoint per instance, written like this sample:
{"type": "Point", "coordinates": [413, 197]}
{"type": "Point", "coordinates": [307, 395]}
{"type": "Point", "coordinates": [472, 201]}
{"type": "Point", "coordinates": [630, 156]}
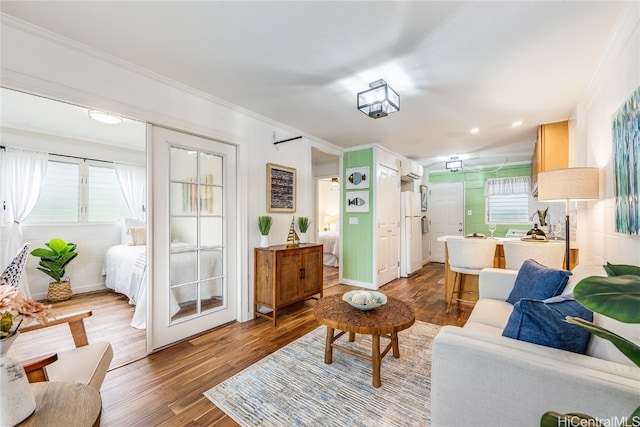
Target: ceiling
{"type": "Point", "coordinates": [456, 65]}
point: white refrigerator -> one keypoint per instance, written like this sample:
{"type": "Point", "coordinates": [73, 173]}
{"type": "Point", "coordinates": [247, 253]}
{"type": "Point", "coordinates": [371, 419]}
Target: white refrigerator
{"type": "Point", "coordinates": [410, 233]}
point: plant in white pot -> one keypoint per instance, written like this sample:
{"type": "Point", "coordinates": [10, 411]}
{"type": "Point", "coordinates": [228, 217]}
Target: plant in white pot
{"type": "Point", "coordinates": [303, 226]}
{"type": "Point", "coordinates": [53, 262]}
{"type": "Point", "coordinates": [264, 225]}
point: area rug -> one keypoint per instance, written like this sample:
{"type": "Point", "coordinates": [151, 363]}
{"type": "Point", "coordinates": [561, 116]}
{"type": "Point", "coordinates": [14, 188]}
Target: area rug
{"type": "Point", "coordinates": [294, 387]}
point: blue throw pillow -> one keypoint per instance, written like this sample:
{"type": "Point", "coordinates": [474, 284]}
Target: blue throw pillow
{"type": "Point", "coordinates": [535, 281]}
{"type": "Point", "coordinates": [542, 322]}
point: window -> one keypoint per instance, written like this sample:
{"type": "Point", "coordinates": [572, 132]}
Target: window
{"type": "Point", "coordinates": [507, 200]}
{"type": "Point", "coordinates": [512, 209]}
{"type": "Point", "coordinates": [106, 202]}
{"type": "Point", "coordinates": [79, 191]}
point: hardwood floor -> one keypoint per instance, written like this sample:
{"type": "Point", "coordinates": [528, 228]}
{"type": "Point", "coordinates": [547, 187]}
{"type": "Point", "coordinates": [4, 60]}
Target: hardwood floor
{"type": "Point", "coordinates": [166, 387]}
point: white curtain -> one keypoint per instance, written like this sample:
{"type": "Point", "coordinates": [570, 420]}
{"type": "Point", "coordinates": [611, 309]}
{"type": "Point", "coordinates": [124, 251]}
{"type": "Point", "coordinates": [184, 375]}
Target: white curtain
{"type": "Point", "coordinates": [22, 175]}
{"type": "Point", "coordinates": [133, 184]}
{"type": "Point", "coordinates": [507, 186]}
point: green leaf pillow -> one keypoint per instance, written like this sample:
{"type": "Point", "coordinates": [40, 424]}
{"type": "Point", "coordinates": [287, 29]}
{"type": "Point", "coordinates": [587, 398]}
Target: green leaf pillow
{"type": "Point", "coordinates": [621, 269]}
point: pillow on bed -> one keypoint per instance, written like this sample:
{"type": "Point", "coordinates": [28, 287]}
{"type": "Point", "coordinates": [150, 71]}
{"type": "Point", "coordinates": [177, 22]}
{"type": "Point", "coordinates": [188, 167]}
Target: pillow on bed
{"type": "Point", "coordinates": [125, 225]}
{"type": "Point", "coordinates": [138, 236]}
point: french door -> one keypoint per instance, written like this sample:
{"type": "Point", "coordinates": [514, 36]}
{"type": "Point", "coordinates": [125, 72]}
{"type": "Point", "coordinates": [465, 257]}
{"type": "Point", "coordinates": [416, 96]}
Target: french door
{"type": "Point", "coordinates": [193, 277]}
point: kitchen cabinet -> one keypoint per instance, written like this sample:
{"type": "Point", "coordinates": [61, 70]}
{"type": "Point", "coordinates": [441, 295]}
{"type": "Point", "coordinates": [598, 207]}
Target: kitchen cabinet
{"type": "Point", "coordinates": [284, 276]}
{"type": "Point", "coordinates": [551, 150]}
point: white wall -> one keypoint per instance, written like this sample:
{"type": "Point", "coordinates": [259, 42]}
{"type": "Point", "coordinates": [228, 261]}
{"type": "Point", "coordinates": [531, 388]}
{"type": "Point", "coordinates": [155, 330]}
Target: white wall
{"type": "Point", "coordinates": [34, 62]}
{"type": "Point", "coordinates": [591, 142]}
{"type": "Point", "coordinates": [85, 271]}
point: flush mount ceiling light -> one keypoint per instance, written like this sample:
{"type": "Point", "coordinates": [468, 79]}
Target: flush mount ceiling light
{"type": "Point", "coordinates": [378, 101]}
{"type": "Point", "coordinates": [102, 117]}
{"type": "Point", "coordinates": [454, 165]}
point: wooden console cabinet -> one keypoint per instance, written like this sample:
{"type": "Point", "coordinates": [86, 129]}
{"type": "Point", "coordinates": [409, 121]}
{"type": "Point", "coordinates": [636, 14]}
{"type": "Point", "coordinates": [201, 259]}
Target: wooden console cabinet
{"type": "Point", "coordinates": [284, 276]}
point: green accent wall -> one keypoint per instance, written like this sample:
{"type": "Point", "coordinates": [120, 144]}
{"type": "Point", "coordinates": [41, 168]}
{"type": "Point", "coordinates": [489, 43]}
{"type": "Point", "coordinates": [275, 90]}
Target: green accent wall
{"type": "Point", "coordinates": [357, 239]}
{"type": "Point", "coordinates": [474, 194]}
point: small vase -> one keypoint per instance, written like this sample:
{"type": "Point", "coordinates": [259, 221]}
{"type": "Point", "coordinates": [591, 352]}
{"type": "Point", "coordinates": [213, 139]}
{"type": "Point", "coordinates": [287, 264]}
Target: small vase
{"type": "Point", "coordinates": [264, 241]}
{"type": "Point", "coordinates": [303, 237]}
{"type": "Point", "coordinates": [16, 397]}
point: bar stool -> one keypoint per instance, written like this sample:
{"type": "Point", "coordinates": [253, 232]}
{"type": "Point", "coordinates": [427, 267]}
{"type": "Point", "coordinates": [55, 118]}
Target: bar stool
{"type": "Point", "coordinates": [548, 253]}
{"type": "Point", "coordinates": [467, 256]}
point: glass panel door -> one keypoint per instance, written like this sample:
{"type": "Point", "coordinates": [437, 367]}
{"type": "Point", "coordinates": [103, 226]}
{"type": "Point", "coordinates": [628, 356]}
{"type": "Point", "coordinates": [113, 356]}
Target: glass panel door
{"type": "Point", "coordinates": [194, 288]}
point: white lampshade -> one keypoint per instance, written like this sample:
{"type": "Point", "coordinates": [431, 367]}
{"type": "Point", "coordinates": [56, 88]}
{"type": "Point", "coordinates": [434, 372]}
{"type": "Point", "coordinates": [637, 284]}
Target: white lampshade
{"type": "Point", "coordinates": [569, 184]}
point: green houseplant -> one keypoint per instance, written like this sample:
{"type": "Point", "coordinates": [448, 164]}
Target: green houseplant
{"type": "Point", "coordinates": [264, 225]}
{"type": "Point", "coordinates": [53, 262]}
{"type": "Point", "coordinates": [542, 217]}
{"type": "Point", "coordinates": [303, 223]}
{"type": "Point", "coordinates": [617, 297]}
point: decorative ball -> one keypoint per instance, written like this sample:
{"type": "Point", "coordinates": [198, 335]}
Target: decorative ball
{"type": "Point", "coordinates": [363, 298]}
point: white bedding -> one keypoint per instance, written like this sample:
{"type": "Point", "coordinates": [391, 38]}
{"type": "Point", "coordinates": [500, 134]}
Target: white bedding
{"type": "Point", "coordinates": [118, 268]}
{"type": "Point", "coordinates": [125, 269]}
{"type": "Point", "coordinates": [331, 247]}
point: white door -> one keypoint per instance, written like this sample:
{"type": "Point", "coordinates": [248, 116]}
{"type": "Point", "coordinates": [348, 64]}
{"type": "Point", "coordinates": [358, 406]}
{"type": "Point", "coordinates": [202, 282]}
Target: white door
{"type": "Point", "coordinates": [388, 225]}
{"type": "Point", "coordinates": [446, 203]}
{"type": "Point", "coordinates": [194, 234]}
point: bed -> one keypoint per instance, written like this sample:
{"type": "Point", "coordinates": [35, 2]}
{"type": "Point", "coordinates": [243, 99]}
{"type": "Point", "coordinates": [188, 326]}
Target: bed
{"type": "Point", "coordinates": [331, 247]}
{"type": "Point", "coordinates": [125, 271]}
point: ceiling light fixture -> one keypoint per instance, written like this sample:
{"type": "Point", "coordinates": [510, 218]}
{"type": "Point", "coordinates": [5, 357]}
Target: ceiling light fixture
{"type": "Point", "coordinates": [475, 130]}
{"type": "Point", "coordinates": [516, 124]}
{"type": "Point", "coordinates": [378, 101]}
{"type": "Point", "coordinates": [102, 117]}
{"type": "Point", "coordinates": [454, 165]}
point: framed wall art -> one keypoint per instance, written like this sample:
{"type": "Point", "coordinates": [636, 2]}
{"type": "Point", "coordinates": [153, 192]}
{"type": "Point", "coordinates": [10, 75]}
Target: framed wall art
{"type": "Point", "coordinates": [625, 128]}
{"type": "Point", "coordinates": [357, 178]}
{"type": "Point", "coordinates": [281, 188]}
{"type": "Point", "coordinates": [357, 201]}
{"type": "Point", "coordinates": [423, 198]}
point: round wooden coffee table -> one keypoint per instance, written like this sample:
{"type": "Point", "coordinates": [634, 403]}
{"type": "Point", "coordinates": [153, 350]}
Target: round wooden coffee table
{"type": "Point", "coordinates": [386, 321]}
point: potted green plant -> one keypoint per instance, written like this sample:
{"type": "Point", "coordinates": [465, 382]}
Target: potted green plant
{"type": "Point", "coordinates": [53, 262]}
{"type": "Point", "coordinates": [542, 217]}
{"type": "Point", "coordinates": [303, 226]}
{"type": "Point", "coordinates": [617, 297]}
{"type": "Point", "coordinates": [264, 225]}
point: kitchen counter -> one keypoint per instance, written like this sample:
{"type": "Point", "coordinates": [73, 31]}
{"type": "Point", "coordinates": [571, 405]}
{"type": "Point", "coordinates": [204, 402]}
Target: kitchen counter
{"type": "Point", "coordinates": [470, 282]}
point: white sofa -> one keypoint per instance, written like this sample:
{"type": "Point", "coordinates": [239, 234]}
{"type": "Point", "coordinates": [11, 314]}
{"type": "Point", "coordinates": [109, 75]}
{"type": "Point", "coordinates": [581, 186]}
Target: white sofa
{"type": "Point", "coordinates": [480, 378]}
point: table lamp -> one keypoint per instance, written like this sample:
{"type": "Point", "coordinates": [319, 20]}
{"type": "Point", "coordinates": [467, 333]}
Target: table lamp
{"type": "Point", "coordinates": [330, 220]}
{"type": "Point", "coordinates": [572, 184]}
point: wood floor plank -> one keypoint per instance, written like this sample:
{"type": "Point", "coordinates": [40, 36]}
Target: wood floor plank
{"type": "Point", "coordinates": [165, 388]}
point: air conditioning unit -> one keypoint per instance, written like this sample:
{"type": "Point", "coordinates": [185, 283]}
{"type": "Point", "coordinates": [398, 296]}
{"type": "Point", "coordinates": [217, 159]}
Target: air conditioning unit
{"type": "Point", "coordinates": [410, 170]}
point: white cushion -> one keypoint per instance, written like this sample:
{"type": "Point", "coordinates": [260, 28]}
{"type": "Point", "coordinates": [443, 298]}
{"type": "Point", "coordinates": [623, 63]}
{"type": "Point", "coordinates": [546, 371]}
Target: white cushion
{"type": "Point", "coordinates": [86, 365]}
{"type": "Point", "coordinates": [583, 271]}
{"type": "Point", "coordinates": [604, 349]}
{"type": "Point", "coordinates": [125, 225]}
{"type": "Point", "coordinates": [491, 312]}
{"type": "Point", "coordinates": [482, 328]}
